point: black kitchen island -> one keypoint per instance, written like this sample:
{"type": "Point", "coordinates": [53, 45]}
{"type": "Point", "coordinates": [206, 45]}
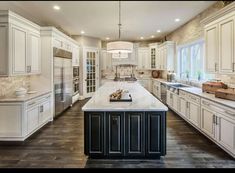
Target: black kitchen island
{"type": "Point", "coordinates": [134, 129]}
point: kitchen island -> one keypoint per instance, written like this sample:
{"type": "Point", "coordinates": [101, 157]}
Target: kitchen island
{"type": "Point", "coordinates": [134, 129]}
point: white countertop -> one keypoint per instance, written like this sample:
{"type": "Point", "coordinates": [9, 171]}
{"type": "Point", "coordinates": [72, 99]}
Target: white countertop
{"type": "Point", "coordinates": [198, 92]}
{"type": "Point", "coordinates": [27, 97]}
{"type": "Point", "coordinates": [142, 100]}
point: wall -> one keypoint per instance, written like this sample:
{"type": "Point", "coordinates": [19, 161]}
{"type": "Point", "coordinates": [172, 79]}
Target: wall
{"type": "Point", "coordinates": [193, 30]}
{"type": "Point", "coordinates": [8, 85]}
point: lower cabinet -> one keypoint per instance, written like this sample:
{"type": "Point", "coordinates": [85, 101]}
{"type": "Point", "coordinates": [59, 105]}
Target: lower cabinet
{"type": "Point", "coordinates": [24, 118]}
{"type": "Point", "coordinates": [183, 107]}
{"type": "Point", "coordinates": [194, 113]}
{"type": "Point", "coordinates": [32, 119]}
{"type": "Point", "coordinates": [125, 134]}
{"type": "Point", "coordinates": [208, 122]}
{"type": "Point", "coordinates": [135, 134]}
{"type": "Point", "coordinates": [115, 127]}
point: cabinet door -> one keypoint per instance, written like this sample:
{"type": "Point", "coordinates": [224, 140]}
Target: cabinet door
{"type": "Point", "coordinates": [75, 56]}
{"type": "Point", "coordinates": [207, 122]}
{"type": "Point", "coordinates": [3, 49]}
{"type": "Point", "coordinates": [45, 112]}
{"type": "Point", "coordinates": [18, 50]}
{"type": "Point", "coordinates": [152, 57]}
{"type": "Point", "coordinates": [211, 44]}
{"type": "Point", "coordinates": [164, 59]}
{"type": "Point", "coordinates": [115, 136]}
{"type": "Point", "coordinates": [157, 59]}
{"type": "Point", "coordinates": [194, 113]}
{"type": "Point", "coordinates": [226, 132]}
{"type": "Point", "coordinates": [169, 98]}
{"type": "Point", "coordinates": [33, 118]}
{"type": "Point", "coordinates": [34, 54]}
{"type": "Point", "coordinates": [226, 46]}
{"type": "Point", "coordinates": [94, 133]}
{"type": "Point", "coordinates": [175, 98]}
{"type": "Point", "coordinates": [183, 107]}
{"type": "Point", "coordinates": [156, 124]}
{"type": "Point", "coordinates": [135, 134]}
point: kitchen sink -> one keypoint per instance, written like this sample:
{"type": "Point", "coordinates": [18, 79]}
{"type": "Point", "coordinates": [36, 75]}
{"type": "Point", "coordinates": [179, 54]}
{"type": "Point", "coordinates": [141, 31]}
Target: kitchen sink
{"type": "Point", "coordinates": [178, 85]}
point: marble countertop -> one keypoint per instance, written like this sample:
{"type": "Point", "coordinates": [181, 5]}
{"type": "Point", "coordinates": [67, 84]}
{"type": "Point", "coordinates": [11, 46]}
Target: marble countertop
{"type": "Point", "coordinates": [198, 92]}
{"type": "Point", "coordinates": [142, 100]}
{"type": "Point", "coordinates": [27, 97]}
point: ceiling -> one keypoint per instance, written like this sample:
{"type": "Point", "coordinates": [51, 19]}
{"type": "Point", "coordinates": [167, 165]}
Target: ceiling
{"type": "Point", "coordinates": [100, 18]}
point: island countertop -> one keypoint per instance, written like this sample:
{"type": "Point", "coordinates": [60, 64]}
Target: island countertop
{"type": "Point", "coordinates": [142, 100]}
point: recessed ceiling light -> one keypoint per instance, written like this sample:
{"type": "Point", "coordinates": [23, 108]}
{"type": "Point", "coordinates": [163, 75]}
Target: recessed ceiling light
{"type": "Point", "coordinates": [56, 7]}
{"type": "Point", "coordinates": [152, 36]}
{"type": "Point", "coordinates": [159, 30]}
{"type": "Point", "coordinates": [107, 38]}
{"type": "Point", "coordinates": [82, 32]}
{"type": "Point", "coordinates": [177, 20]}
{"type": "Point", "coordinates": [141, 38]}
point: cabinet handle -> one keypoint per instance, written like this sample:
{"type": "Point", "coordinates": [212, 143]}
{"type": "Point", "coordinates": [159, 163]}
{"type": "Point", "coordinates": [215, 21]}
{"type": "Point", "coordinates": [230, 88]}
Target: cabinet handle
{"type": "Point", "coordinates": [228, 112]}
{"type": "Point", "coordinates": [41, 108]}
{"type": "Point", "coordinates": [207, 104]}
{"type": "Point", "coordinates": [214, 121]}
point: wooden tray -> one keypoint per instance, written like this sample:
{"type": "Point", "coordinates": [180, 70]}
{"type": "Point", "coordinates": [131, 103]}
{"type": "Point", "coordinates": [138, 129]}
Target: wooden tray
{"type": "Point", "coordinates": [124, 98]}
{"type": "Point", "coordinates": [211, 87]}
{"type": "Point", "coordinates": [228, 94]}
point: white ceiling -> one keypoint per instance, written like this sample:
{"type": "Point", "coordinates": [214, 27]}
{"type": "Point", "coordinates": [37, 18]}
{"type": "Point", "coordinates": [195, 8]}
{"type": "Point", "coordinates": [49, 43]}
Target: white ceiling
{"type": "Point", "coordinates": [100, 18]}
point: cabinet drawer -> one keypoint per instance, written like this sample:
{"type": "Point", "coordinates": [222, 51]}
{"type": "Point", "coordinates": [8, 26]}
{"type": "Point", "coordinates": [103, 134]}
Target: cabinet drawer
{"type": "Point", "coordinates": [37, 101]}
{"type": "Point", "coordinates": [218, 108]}
{"type": "Point", "coordinates": [183, 94]}
{"type": "Point", "coordinates": [194, 98]}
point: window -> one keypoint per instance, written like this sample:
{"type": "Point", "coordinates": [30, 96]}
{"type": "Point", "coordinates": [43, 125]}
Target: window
{"type": "Point", "coordinates": [191, 61]}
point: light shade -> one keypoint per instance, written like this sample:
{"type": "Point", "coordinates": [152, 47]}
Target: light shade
{"type": "Point", "coordinates": [119, 47]}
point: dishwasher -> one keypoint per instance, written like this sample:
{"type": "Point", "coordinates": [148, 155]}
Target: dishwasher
{"type": "Point", "coordinates": [163, 92]}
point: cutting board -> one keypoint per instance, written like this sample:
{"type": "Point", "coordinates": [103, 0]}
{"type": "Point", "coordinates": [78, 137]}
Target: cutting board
{"type": "Point", "coordinates": [228, 94]}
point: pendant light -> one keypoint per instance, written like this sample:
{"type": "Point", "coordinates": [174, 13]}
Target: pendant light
{"type": "Point", "coordinates": [120, 48]}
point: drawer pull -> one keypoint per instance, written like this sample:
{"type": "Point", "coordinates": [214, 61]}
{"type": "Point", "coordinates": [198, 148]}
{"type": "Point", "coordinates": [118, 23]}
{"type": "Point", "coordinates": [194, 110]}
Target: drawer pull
{"type": "Point", "coordinates": [230, 113]}
{"type": "Point", "coordinates": [207, 104]}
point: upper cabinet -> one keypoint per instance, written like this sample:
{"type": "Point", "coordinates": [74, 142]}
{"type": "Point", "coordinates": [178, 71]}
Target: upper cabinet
{"type": "Point", "coordinates": [75, 55]}
{"type": "Point", "coordinates": [143, 58]}
{"type": "Point", "coordinates": [212, 51]}
{"type": "Point", "coordinates": [20, 47]}
{"type": "Point", "coordinates": [219, 33]}
{"type": "Point", "coordinates": [153, 55]}
{"type": "Point", "coordinates": [165, 56]}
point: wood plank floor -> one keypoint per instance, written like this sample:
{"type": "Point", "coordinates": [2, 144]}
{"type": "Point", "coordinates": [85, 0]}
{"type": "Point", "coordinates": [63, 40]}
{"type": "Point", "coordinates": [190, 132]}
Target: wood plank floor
{"type": "Point", "coordinates": [60, 145]}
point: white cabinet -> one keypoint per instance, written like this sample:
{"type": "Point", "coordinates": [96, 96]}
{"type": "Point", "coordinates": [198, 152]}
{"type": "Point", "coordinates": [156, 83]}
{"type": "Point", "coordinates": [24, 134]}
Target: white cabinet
{"type": "Point", "coordinates": [18, 46]}
{"type": "Point", "coordinates": [194, 113]}
{"type": "Point", "coordinates": [175, 101]}
{"type": "Point", "coordinates": [105, 60]}
{"type": "Point", "coordinates": [212, 51]}
{"type": "Point", "coordinates": [218, 122]}
{"type": "Point", "coordinates": [75, 55]}
{"type": "Point", "coordinates": [44, 111]}
{"type": "Point", "coordinates": [34, 54]}
{"type": "Point", "coordinates": [32, 119]}
{"type": "Point", "coordinates": [226, 46]}
{"type": "Point", "coordinates": [19, 120]}
{"type": "Point", "coordinates": [208, 121]}
{"type": "Point", "coordinates": [143, 58]}
{"type": "Point", "coordinates": [166, 55]}
{"type": "Point", "coordinates": [219, 34]}
{"type": "Point", "coordinates": [20, 51]}
{"type": "Point", "coordinates": [153, 55]}
{"type": "Point", "coordinates": [172, 100]}
{"type": "Point", "coordinates": [183, 107]}
{"type": "Point", "coordinates": [156, 88]}
{"type": "Point", "coordinates": [226, 132]}
{"type": "Point", "coordinates": [146, 83]}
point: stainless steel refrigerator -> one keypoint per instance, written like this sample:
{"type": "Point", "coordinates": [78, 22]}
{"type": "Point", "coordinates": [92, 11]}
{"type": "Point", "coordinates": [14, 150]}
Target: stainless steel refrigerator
{"type": "Point", "coordinates": [63, 79]}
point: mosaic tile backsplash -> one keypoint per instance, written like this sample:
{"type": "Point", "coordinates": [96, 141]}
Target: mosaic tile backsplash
{"type": "Point", "coordinates": [8, 85]}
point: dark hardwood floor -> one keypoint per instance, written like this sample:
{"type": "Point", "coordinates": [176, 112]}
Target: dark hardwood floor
{"type": "Point", "coordinates": [60, 145]}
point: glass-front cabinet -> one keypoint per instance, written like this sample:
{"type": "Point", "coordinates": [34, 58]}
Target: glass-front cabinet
{"type": "Point", "coordinates": [153, 55]}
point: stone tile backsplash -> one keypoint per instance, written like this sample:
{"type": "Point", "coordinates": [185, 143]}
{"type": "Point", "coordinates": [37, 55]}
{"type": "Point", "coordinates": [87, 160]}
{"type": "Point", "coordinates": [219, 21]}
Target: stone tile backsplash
{"type": "Point", "coordinates": [8, 85]}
